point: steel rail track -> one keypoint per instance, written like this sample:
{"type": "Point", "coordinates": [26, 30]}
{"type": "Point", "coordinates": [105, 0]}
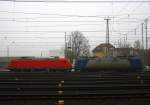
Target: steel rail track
{"type": "Point", "coordinates": [73, 86]}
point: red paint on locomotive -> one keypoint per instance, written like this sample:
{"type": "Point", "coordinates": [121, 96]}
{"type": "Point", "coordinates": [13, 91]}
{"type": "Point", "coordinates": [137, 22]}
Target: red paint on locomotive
{"type": "Point", "coordinates": [60, 63]}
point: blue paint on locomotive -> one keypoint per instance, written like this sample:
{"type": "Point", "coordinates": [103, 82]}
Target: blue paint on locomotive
{"type": "Point", "coordinates": [80, 63]}
{"type": "Point", "coordinates": [136, 63]}
{"type": "Point", "coordinates": [133, 64]}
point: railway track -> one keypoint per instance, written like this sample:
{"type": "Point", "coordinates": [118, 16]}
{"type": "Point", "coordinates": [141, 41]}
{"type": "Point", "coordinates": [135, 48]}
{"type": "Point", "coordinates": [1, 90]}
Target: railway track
{"type": "Point", "coordinates": [74, 87]}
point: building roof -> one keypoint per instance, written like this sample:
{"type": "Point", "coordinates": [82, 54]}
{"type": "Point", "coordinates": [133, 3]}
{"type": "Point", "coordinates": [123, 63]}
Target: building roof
{"type": "Point", "coordinates": [101, 46]}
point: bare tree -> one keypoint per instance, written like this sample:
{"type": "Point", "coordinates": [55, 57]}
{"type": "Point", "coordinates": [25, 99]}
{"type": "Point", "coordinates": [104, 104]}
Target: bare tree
{"type": "Point", "coordinates": [78, 45]}
{"type": "Point", "coordinates": [137, 44]}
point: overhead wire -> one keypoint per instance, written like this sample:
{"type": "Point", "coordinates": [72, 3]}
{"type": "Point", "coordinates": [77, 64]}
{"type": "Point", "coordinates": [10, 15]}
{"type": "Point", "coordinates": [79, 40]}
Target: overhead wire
{"type": "Point", "coordinates": [81, 1]}
{"type": "Point", "coordinates": [58, 37]}
{"type": "Point", "coordinates": [137, 25]}
{"type": "Point", "coordinates": [1, 31]}
{"type": "Point", "coordinates": [63, 15]}
{"type": "Point", "coordinates": [14, 20]}
{"type": "Point", "coordinates": [133, 11]}
{"type": "Point", "coordinates": [123, 8]}
{"type": "Point", "coordinates": [53, 26]}
{"type": "Point", "coordinates": [137, 7]}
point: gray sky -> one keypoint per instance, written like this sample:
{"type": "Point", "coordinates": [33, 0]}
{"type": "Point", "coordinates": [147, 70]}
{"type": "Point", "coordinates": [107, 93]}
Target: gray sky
{"type": "Point", "coordinates": [29, 28]}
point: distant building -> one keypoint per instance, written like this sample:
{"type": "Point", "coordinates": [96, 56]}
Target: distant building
{"type": "Point", "coordinates": [124, 52]}
{"type": "Point", "coordinates": [100, 50]}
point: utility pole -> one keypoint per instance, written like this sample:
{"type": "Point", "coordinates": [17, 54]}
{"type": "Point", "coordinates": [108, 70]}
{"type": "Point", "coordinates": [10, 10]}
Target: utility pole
{"type": "Point", "coordinates": [142, 37]}
{"type": "Point", "coordinates": [107, 35]}
{"type": "Point", "coordinates": [128, 28]}
{"type": "Point", "coordinates": [65, 51]}
{"type": "Point", "coordinates": [70, 49]}
{"type": "Point", "coordinates": [135, 32]}
{"type": "Point", "coordinates": [119, 43]}
{"type": "Point", "coordinates": [146, 21]}
{"type": "Point", "coordinates": [7, 50]}
{"type": "Point", "coordinates": [124, 42]}
{"type": "Point", "coordinates": [49, 51]}
{"type": "Point", "coordinates": [71, 42]}
{"type": "Point", "coordinates": [142, 42]}
{"type": "Point", "coordinates": [41, 53]}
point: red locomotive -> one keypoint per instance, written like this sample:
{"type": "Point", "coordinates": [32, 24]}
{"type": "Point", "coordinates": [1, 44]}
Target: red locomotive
{"type": "Point", "coordinates": [55, 64]}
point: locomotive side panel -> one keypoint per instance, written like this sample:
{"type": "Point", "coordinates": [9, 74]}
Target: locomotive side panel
{"type": "Point", "coordinates": [39, 64]}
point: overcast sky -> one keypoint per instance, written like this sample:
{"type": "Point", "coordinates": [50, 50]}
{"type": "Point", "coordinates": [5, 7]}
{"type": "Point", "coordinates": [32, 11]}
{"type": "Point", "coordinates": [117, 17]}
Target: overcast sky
{"type": "Point", "coordinates": [32, 28]}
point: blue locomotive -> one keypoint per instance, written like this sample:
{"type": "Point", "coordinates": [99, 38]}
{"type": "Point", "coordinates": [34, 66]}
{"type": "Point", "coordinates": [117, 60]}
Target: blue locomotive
{"type": "Point", "coordinates": [132, 64]}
